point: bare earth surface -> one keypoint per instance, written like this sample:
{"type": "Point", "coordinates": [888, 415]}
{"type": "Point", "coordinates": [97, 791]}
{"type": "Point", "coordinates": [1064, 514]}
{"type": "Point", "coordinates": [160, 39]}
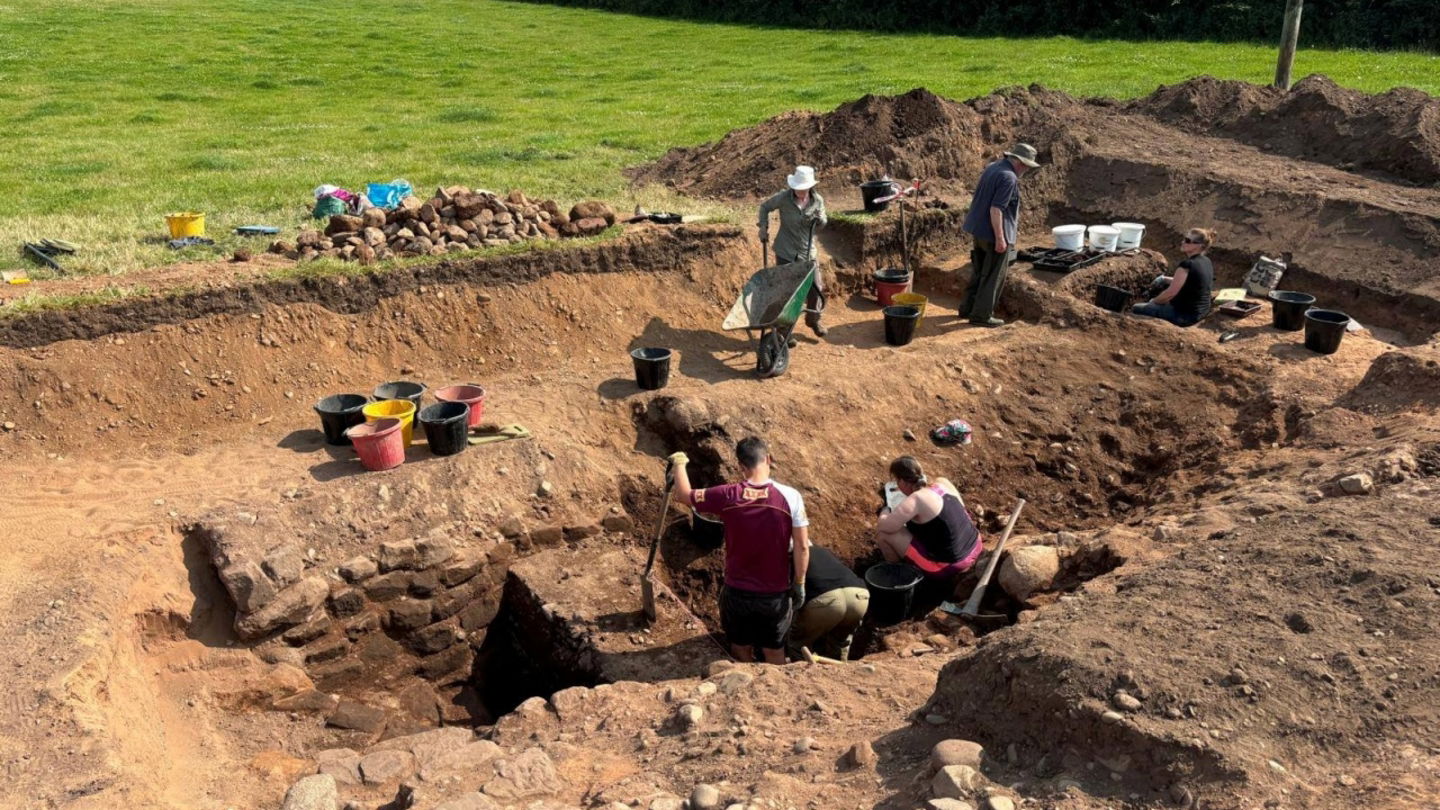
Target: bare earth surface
{"type": "Point", "coordinates": [1243, 610]}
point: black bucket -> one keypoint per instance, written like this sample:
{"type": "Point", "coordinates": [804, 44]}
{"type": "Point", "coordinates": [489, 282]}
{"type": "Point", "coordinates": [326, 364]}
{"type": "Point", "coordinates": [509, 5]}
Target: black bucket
{"type": "Point", "coordinates": [1287, 309]}
{"type": "Point", "coordinates": [401, 389]}
{"type": "Point", "coordinates": [892, 589]}
{"type": "Point", "coordinates": [447, 427]}
{"type": "Point", "coordinates": [338, 413]}
{"type": "Point", "coordinates": [900, 323]}
{"type": "Point", "coordinates": [873, 189]}
{"type": "Point", "coordinates": [706, 531]}
{"type": "Point", "coordinates": [1113, 298]}
{"type": "Point", "coordinates": [1323, 330]}
{"type": "Point", "coordinates": [652, 368]}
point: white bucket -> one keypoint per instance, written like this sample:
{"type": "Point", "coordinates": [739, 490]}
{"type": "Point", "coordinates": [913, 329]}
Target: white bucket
{"type": "Point", "coordinates": [1104, 237]}
{"type": "Point", "coordinates": [1130, 234]}
{"type": "Point", "coordinates": [1069, 237]}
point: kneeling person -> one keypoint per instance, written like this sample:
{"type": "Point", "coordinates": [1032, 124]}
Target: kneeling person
{"type": "Point", "coordinates": [930, 528]}
{"type": "Point", "coordinates": [767, 551]}
{"type": "Point", "coordinates": [836, 601]}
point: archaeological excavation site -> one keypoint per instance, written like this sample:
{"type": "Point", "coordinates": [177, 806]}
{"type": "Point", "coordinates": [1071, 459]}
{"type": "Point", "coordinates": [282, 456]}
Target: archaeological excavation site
{"type": "Point", "coordinates": [1222, 592]}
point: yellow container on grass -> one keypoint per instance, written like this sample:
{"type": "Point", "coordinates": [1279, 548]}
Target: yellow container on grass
{"type": "Point", "coordinates": [402, 409]}
{"type": "Point", "coordinates": [910, 299]}
{"type": "Point", "coordinates": [186, 223]}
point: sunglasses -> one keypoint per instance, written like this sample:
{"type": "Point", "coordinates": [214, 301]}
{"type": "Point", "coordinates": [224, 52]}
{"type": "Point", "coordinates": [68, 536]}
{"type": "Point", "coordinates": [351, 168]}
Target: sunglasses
{"type": "Point", "coordinates": [1188, 241]}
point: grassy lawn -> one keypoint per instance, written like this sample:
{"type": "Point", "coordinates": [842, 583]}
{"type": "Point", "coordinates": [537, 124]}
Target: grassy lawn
{"type": "Point", "coordinates": [117, 112]}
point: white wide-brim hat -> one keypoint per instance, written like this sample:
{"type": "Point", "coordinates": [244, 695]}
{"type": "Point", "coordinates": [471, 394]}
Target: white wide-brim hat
{"type": "Point", "coordinates": [803, 178]}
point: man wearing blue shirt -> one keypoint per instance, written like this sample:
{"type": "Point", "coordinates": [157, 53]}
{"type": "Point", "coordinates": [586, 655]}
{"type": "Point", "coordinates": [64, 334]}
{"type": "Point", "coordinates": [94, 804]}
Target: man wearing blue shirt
{"type": "Point", "coordinates": [994, 221]}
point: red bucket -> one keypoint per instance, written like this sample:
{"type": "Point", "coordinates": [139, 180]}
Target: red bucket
{"type": "Point", "coordinates": [380, 444]}
{"type": "Point", "coordinates": [890, 282]}
{"type": "Point", "coordinates": [468, 393]}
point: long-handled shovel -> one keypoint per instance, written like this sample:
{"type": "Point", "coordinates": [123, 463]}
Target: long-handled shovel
{"type": "Point", "coordinates": [971, 610]}
{"type": "Point", "coordinates": [647, 585]}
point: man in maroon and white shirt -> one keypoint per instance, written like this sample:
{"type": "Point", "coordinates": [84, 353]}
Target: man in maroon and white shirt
{"type": "Point", "coordinates": [767, 549]}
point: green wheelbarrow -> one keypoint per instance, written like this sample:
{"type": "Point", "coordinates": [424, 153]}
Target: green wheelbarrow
{"type": "Point", "coordinates": [769, 306]}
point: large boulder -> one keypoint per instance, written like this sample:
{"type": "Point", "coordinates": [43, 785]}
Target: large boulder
{"type": "Point", "coordinates": [1028, 570]}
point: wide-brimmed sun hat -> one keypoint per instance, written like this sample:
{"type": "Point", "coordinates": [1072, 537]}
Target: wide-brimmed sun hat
{"type": "Point", "coordinates": [803, 178]}
{"type": "Point", "coordinates": [1025, 153]}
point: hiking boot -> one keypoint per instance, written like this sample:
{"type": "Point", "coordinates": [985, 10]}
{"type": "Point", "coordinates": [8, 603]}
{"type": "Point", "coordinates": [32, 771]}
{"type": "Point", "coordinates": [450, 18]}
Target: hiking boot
{"type": "Point", "coordinates": [792, 343]}
{"type": "Point", "coordinates": [819, 330]}
{"type": "Point", "coordinates": [990, 322]}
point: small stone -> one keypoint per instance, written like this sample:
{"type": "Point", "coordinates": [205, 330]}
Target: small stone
{"type": "Point", "coordinates": [705, 797]}
{"type": "Point", "coordinates": [949, 804]}
{"type": "Point", "coordinates": [359, 568]}
{"type": "Point", "coordinates": [936, 719]}
{"type": "Point", "coordinates": [999, 803]}
{"type": "Point", "coordinates": [357, 717]}
{"type": "Point", "coordinates": [1127, 702]}
{"type": "Point", "coordinates": [861, 755]}
{"type": "Point", "coordinates": [317, 792]}
{"type": "Point", "coordinates": [1275, 766]}
{"type": "Point", "coordinates": [690, 714]}
{"type": "Point", "coordinates": [1113, 717]}
{"type": "Point", "coordinates": [909, 435]}
{"type": "Point", "coordinates": [9, 425]}
{"type": "Point", "coordinates": [1357, 484]}
{"type": "Point", "coordinates": [955, 782]}
{"type": "Point", "coordinates": [1345, 780]}
{"type": "Point", "coordinates": [667, 803]}
{"type": "Point", "coordinates": [956, 752]}
{"type": "Point", "coordinates": [804, 745]}
{"type": "Point", "coordinates": [545, 490]}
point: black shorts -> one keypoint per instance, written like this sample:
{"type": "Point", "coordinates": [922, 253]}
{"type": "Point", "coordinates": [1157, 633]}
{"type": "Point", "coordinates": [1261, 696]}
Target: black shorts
{"type": "Point", "coordinates": [752, 619]}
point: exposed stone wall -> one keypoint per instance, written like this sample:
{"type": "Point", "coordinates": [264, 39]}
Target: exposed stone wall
{"type": "Point", "coordinates": [395, 632]}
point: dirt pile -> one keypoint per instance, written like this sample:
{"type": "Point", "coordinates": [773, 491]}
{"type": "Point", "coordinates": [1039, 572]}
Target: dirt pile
{"type": "Point", "coordinates": [454, 220]}
{"type": "Point", "coordinates": [1396, 133]}
{"type": "Point", "coordinates": [915, 135]}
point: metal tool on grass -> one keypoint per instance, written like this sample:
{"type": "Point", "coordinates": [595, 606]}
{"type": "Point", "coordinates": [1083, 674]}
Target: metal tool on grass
{"type": "Point", "coordinates": [647, 585]}
{"type": "Point", "coordinates": [971, 610]}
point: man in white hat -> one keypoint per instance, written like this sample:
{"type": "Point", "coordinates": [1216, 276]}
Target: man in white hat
{"type": "Point", "coordinates": [801, 209]}
{"type": "Point", "coordinates": [994, 221]}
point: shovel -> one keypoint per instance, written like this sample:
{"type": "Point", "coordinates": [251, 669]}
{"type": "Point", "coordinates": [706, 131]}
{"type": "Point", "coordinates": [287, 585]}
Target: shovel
{"type": "Point", "coordinates": [647, 585]}
{"type": "Point", "coordinates": [971, 610]}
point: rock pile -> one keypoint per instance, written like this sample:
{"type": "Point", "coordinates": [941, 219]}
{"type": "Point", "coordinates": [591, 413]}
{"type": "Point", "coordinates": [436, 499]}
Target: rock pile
{"type": "Point", "coordinates": [454, 220]}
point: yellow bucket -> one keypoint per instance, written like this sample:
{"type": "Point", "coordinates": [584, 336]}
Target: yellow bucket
{"type": "Point", "coordinates": [910, 299]}
{"type": "Point", "coordinates": [185, 224]}
{"type": "Point", "coordinates": [402, 409]}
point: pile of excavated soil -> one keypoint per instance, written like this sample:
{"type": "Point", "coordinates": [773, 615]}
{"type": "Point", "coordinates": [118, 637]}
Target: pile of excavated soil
{"type": "Point", "coordinates": [1396, 133]}
{"type": "Point", "coordinates": [916, 135]}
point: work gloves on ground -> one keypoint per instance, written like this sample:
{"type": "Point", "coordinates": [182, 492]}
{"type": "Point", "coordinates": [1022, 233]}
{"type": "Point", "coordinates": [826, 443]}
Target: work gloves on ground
{"type": "Point", "coordinates": [797, 594]}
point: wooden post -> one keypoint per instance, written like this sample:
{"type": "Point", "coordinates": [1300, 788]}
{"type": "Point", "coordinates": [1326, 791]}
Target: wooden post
{"type": "Point", "coordinates": [1289, 38]}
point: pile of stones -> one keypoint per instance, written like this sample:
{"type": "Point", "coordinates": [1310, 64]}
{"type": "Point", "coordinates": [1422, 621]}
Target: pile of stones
{"type": "Point", "coordinates": [454, 220]}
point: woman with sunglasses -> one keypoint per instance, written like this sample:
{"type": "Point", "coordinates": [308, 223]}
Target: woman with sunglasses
{"type": "Point", "coordinates": [1183, 299]}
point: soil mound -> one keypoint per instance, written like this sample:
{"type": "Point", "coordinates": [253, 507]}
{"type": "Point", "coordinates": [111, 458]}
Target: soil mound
{"type": "Point", "coordinates": [918, 134]}
{"type": "Point", "coordinates": [1397, 381]}
{"type": "Point", "coordinates": [1396, 132]}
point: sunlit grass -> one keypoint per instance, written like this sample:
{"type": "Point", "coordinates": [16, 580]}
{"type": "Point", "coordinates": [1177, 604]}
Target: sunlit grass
{"type": "Point", "coordinates": [119, 112]}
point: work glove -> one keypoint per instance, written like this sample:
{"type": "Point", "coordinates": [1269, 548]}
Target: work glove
{"type": "Point", "coordinates": [797, 594]}
{"type": "Point", "coordinates": [678, 459]}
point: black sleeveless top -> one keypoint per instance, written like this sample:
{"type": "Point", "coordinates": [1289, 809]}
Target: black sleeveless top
{"type": "Point", "coordinates": [1193, 301]}
{"type": "Point", "coordinates": [949, 536]}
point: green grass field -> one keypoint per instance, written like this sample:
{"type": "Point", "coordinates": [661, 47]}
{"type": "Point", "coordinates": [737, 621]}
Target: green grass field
{"type": "Point", "coordinates": [117, 112]}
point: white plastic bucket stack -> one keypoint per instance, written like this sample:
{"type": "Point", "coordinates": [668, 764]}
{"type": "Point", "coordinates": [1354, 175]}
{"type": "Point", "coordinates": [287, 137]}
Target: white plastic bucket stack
{"type": "Point", "coordinates": [1104, 237]}
{"type": "Point", "coordinates": [1130, 234]}
{"type": "Point", "coordinates": [1069, 237]}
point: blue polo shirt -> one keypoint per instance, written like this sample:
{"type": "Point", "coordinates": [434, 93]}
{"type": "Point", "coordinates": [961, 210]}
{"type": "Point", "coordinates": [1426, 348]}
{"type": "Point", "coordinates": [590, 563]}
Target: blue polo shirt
{"type": "Point", "coordinates": [999, 187]}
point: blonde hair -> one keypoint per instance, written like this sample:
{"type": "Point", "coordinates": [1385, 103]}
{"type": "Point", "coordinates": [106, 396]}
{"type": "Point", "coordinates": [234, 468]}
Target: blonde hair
{"type": "Point", "coordinates": [1204, 236]}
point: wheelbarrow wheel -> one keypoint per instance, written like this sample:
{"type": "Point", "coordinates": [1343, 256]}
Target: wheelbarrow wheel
{"type": "Point", "coordinates": [773, 356]}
